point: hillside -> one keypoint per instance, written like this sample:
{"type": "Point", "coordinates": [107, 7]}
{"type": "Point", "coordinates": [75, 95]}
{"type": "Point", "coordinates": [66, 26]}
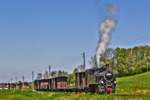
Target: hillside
{"type": "Point", "coordinates": [134, 85]}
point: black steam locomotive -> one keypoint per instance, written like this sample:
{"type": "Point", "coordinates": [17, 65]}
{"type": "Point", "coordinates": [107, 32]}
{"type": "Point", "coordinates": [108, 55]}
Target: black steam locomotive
{"type": "Point", "coordinates": [99, 80]}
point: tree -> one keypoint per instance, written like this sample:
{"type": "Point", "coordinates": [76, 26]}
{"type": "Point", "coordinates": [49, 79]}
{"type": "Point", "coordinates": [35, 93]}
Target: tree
{"type": "Point", "coordinates": [93, 61]}
{"type": "Point", "coordinates": [71, 77]}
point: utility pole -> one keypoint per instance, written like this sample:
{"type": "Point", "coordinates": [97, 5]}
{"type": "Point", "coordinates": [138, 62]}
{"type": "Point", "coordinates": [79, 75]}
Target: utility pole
{"type": "Point", "coordinates": [84, 63]}
{"type": "Point", "coordinates": [16, 81]}
{"type": "Point", "coordinates": [23, 81]}
{"type": "Point", "coordinates": [32, 79]}
{"type": "Point", "coordinates": [32, 76]}
{"type": "Point", "coordinates": [22, 78]}
{"type": "Point", "coordinates": [49, 73]}
{"type": "Point", "coordinates": [11, 81]}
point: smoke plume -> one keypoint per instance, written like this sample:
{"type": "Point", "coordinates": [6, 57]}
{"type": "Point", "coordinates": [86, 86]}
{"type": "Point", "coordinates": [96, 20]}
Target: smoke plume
{"type": "Point", "coordinates": [105, 30]}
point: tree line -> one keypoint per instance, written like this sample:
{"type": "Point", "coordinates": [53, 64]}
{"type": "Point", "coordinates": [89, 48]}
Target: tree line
{"type": "Point", "coordinates": [128, 61]}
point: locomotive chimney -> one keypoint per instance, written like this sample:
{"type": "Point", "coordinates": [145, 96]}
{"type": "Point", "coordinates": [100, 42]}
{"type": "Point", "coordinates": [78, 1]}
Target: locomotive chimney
{"type": "Point", "coordinates": [108, 67]}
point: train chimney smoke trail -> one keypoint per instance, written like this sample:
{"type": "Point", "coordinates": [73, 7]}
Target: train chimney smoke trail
{"type": "Point", "coordinates": [105, 30]}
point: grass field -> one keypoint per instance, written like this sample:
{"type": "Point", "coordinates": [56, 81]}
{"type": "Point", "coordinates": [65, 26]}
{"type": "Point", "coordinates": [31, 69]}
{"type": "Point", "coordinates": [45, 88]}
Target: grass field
{"type": "Point", "coordinates": [137, 86]}
{"type": "Point", "coordinates": [128, 88]}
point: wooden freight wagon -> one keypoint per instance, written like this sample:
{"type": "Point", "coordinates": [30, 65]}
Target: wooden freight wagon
{"type": "Point", "coordinates": [80, 80]}
{"type": "Point", "coordinates": [51, 83]}
{"type": "Point", "coordinates": [59, 82]}
{"type": "Point", "coordinates": [42, 84]}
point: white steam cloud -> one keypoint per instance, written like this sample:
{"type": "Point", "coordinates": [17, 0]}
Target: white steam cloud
{"type": "Point", "coordinates": [106, 28]}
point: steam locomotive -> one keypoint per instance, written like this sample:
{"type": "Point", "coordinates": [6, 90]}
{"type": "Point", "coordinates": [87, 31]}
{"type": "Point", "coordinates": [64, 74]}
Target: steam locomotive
{"type": "Point", "coordinates": [97, 80]}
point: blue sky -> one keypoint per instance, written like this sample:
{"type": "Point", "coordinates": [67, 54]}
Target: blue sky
{"type": "Point", "coordinates": [35, 33]}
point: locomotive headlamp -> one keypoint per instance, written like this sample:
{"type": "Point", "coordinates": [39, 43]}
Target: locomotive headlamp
{"type": "Point", "coordinates": [102, 82]}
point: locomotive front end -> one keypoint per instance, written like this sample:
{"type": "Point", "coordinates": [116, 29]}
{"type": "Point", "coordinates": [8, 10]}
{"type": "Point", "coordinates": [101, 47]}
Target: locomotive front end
{"type": "Point", "coordinates": [105, 80]}
{"type": "Point", "coordinates": [110, 82]}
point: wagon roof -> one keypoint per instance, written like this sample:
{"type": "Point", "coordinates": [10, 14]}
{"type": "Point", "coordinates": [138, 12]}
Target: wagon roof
{"type": "Point", "coordinates": [53, 78]}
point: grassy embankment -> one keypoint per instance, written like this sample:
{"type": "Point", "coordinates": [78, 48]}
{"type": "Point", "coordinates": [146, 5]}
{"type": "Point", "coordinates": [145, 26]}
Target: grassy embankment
{"type": "Point", "coordinates": [134, 86]}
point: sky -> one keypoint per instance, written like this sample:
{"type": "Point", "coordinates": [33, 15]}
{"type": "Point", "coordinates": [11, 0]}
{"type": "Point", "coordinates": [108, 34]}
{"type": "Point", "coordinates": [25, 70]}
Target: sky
{"type": "Point", "coordinates": [36, 33]}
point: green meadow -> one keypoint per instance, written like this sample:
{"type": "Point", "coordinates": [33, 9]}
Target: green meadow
{"type": "Point", "coordinates": [135, 87]}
